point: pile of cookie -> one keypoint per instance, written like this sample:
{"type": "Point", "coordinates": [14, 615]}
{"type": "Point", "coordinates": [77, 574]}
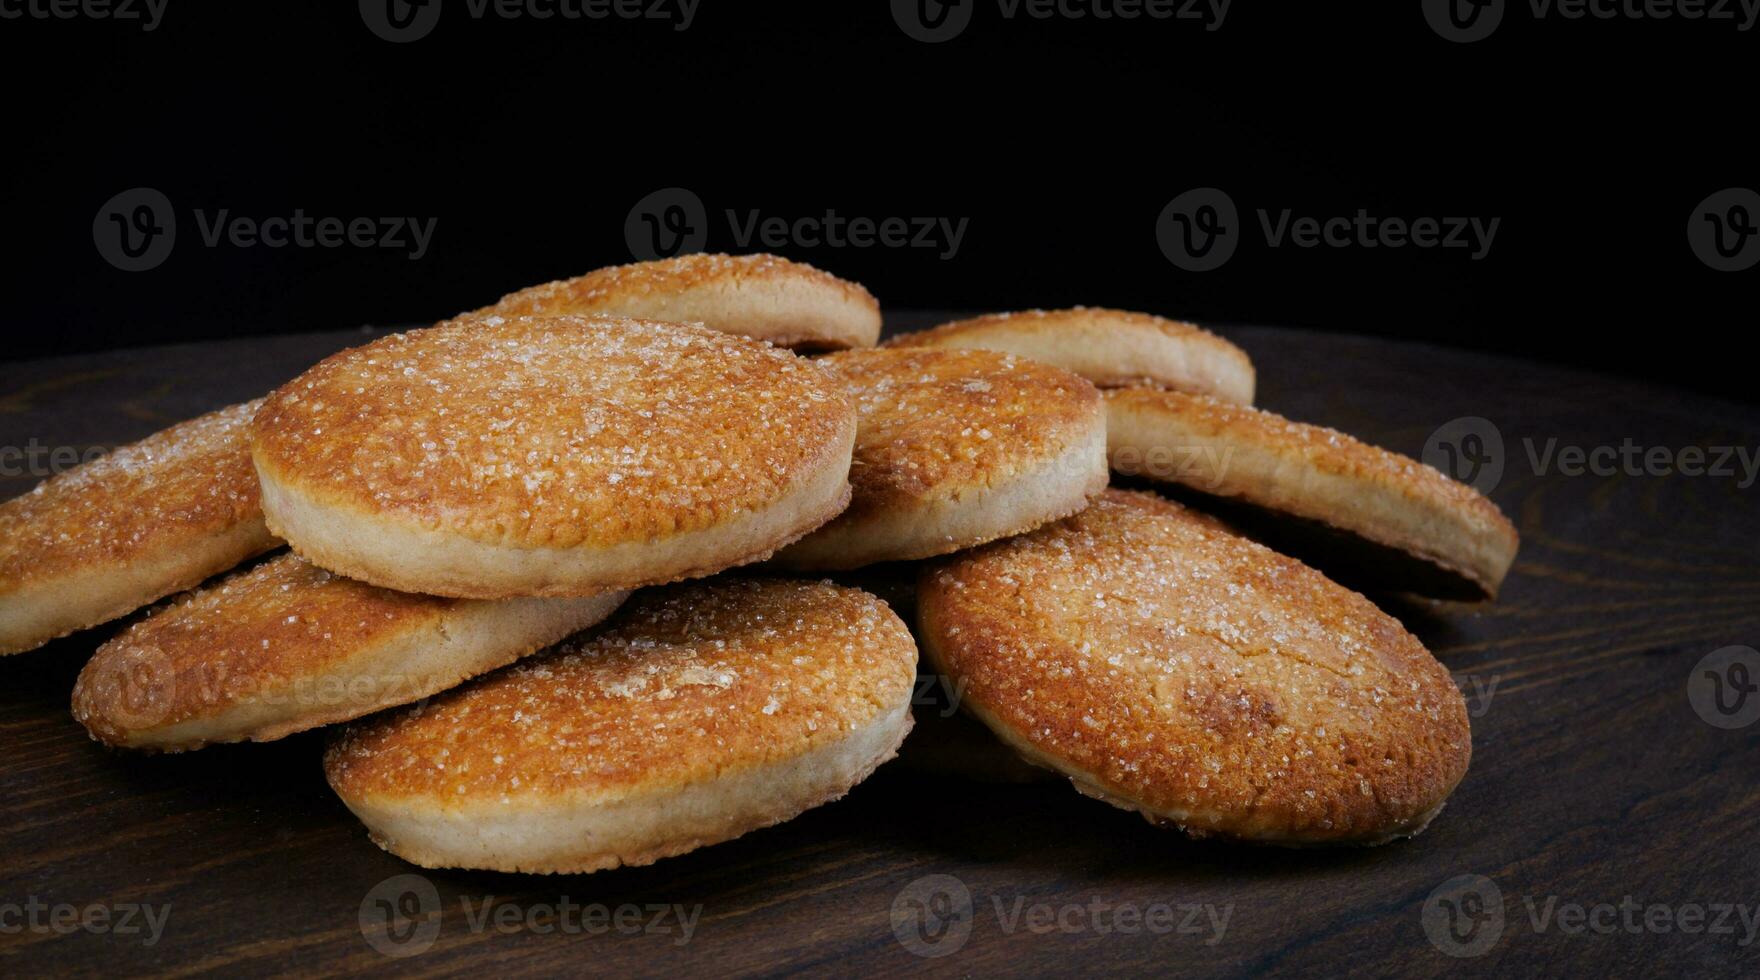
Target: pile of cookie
{"type": "Point", "coordinates": [499, 554]}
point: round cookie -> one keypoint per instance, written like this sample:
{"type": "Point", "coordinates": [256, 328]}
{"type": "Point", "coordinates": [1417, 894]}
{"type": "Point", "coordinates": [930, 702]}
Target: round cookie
{"type": "Point", "coordinates": [956, 448]}
{"type": "Point", "coordinates": [1112, 348]}
{"type": "Point", "coordinates": [699, 713]}
{"type": "Point", "coordinates": [1168, 666]}
{"type": "Point", "coordinates": [287, 646]}
{"type": "Point", "coordinates": [1374, 518]}
{"type": "Point", "coordinates": [551, 456]}
{"type": "Point", "coordinates": [124, 530]}
{"type": "Point", "coordinates": [790, 304]}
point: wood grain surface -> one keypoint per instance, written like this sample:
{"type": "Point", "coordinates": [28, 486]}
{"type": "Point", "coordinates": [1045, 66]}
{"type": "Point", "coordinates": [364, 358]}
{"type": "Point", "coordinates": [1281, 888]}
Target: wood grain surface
{"type": "Point", "coordinates": [1602, 807]}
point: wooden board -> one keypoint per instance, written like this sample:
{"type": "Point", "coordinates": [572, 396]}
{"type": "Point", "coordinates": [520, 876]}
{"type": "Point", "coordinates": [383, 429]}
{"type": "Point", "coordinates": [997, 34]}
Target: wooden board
{"type": "Point", "coordinates": [1595, 782]}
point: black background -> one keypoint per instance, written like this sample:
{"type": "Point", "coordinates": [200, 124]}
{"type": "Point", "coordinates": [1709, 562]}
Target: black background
{"type": "Point", "coordinates": [530, 141]}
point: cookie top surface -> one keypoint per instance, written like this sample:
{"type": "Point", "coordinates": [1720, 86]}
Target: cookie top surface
{"type": "Point", "coordinates": [1327, 450]}
{"type": "Point", "coordinates": [720, 280]}
{"type": "Point", "coordinates": [191, 480]}
{"type": "Point", "coordinates": [554, 431]}
{"type": "Point", "coordinates": [1201, 677]}
{"type": "Point", "coordinates": [283, 620]}
{"type": "Point", "coordinates": [1058, 320]}
{"type": "Point", "coordinates": [935, 423]}
{"type": "Point", "coordinates": [1110, 347]}
{"type": "Point", "coordinates": [686, 682]}
{"type": "Point", "coordinates": [684, 272]}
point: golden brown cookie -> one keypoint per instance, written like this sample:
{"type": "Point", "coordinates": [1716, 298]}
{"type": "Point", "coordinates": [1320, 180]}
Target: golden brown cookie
{"type": "Point", "coordinates": [1168, 666]}
{"type": "Point", "coordinates": [1419, 531]}
{"type": "Point", "coordinates": [287, 646]}
{"type": "Point", "coordinates": [115, 534]}
{"type": "Point", "coordinates": [699, 713]}
{"type": "Point", "coordinates": [790, 304]}
{"type": "Point", "coordinates": [1112, 348]}
{"type": "Point", "coordinates": [956, 448]}
{"type": "Point", "coordinates": [551, 456]}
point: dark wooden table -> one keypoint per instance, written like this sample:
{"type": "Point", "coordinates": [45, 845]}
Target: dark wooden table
{"type": "Point", "coordinates": [1601, 806]}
